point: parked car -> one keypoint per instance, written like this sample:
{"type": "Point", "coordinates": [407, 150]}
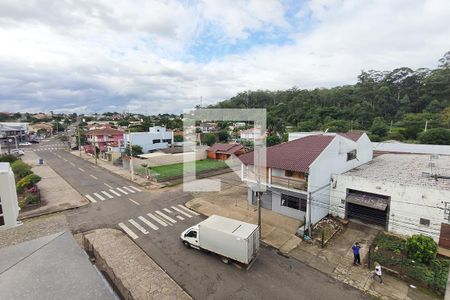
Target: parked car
{"type": "Point", "coordinates": [231, 239]}
{"type": "Point", "coordinates": [34, 141]}
{"type": "Point", "coordinates": [25, 144]}
{"type": "Point", "coordinates": [17, 152]}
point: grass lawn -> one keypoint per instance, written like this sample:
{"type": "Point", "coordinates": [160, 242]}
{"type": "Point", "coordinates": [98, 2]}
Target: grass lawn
{"type": "Point", "coordinates": [169, 171]}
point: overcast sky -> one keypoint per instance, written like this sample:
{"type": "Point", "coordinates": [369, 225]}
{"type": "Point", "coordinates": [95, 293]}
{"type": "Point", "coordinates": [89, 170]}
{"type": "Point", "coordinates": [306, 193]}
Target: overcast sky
{"type": "Point", "coordinates": [161, 56]}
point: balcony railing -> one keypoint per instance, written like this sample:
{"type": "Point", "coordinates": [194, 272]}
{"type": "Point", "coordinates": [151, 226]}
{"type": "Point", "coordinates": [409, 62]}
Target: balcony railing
{"type": "Point", "coordinates": [290, 183]}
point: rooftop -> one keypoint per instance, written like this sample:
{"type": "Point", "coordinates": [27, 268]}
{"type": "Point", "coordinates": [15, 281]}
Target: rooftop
{"type": "Point", "coordinates": [104, 131]}
{"type": "Point", "coordinates": [296, 155]}
{"type": "Point", "coordinates": [225, 148]}
{"type": "Point", "coordinates": [407, 169]}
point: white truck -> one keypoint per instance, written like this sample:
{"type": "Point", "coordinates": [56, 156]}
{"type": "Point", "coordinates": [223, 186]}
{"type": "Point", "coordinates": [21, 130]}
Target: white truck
{"type": "Point", "coordinates": [230, 239]}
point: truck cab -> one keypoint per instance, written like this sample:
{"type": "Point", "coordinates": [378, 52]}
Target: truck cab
{"type": "Point", "coordinates": [190, 237]}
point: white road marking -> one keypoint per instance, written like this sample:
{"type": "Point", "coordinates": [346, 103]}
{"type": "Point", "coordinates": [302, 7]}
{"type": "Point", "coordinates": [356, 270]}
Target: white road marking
{"type": "Point", "coordinates": [165, 216]}
{"type": "Point", "coordinates": [135, 202]}
{"type": "Point", "coordinates": [188, 210]}
{"type": "Point", "coordinates": [157, 219]}
{"type": "Point", "coordinates": [93, 176]}
{"type": "Point", "coordinates": [99, 196]}
{"type": "Point", "coordinates": [128, 189]}
{"type": "Point", "coordinates": [65, 159]}
{"type": "Point", "coordinates": [81, 169]}
{"type": "Point", "coordinates": [139, 227]}
{"type": "Point", "coordinates": [180, 217]}
{"type": "Point", "coordinates": [150, 224]}
{"type": "Point", "coordinates": [72, 164]}
{"type": "Point", "coordinates": [135, 188]}
{"type": "Point", "coordinates": [115, 193]}
{"type": "Point", "coordinates": [167, 210]}
{"type": "Point", "coordinates": [107, 195]}
{"type": "Point", "coordinates": [128, 231]}
{"type": "Point", "coordinates": [122, 191]}
{"type": "Point", "coordinates": [181, 212]}
{"type": "Point", "coordinates": [91, 199]}
{"type": "Point", "coordinates": [108, 185]}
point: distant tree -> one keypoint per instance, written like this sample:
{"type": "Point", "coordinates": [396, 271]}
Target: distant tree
{"type": "Point", "coordinates": [223, 135]}
{"type": "Point", "coordinates": [178, 138]}
{"type": "Point", "coordinates": [209, 139]}
{"type": "Point", "coordinates": [135, 149]}
{"type": "Point", "coordinates": [123, 123]}
{"type": "Point", "coordinates": [272, 140]}
{"type": "Point", "coordinates": [379, 127]}
{"type": "Point", "coordinates": [435, 136]}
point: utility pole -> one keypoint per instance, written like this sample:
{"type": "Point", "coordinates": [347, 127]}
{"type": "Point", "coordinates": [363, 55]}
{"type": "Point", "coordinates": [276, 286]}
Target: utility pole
{"type": "Point", "coordinates": [95, 148]}
{"type": "Point", "coordinates": [79, 139]}
{"type": "Point", "coordinates": [309, 214]}
{"type": "Point", "coordinates": [426, 126]}
{"type": "Point", "coordinates": [131, 156]}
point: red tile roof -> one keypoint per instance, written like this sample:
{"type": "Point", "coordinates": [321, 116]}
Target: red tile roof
{"type": "Point", "coordinates": [225, 148]}
{"type": "Point", "coordinates": [352, 135]}
{"type": "Point", "coordinates": [296, 155]}
{"type": "Point", "coordinates": [104, 131]}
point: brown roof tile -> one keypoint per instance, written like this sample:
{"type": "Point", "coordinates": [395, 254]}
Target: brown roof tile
{"type": "Point", "coordinates": [225, 148]}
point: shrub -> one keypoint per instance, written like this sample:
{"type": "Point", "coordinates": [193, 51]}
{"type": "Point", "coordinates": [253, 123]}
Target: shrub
{"type": "Point", "coordinates": [27, 182]}
{"type": "Point", "coordinates": [20, 169]}
{"type": "Point", "coordinates": [9, 158]}
{"type": "Point", "coordinates": [421, 248]}
{"type": "Point", "coordinates": [31, 198]}
{"type": "Point", "coordinates": [435, 136]}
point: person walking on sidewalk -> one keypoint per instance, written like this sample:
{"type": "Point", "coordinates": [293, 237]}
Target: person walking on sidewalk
{"type": "Point", "coordinates": [377, 273]}
{"type": "Point", "coordinates": [356, 256]}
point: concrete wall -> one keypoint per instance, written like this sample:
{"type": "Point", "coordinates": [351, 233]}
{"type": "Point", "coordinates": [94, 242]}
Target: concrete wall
{"type": "Point", "coordinates": [287, 211]}
{"type": "Point", "coordinates": [408, 203]}
{"type": "Point", "coordinates": [145, 139]}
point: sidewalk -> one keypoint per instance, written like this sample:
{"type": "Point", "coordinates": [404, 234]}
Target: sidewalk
{"type": "Point", "coordinates": [278, 231]}
{"type": "Point", "coordinates": [336, 260]}
{"type": "Point", "coordinates": [56, 194]}
{"type": "Point", "coordinates": [111, 168]}
{"type": "Point", "coordinates": [135, 274]}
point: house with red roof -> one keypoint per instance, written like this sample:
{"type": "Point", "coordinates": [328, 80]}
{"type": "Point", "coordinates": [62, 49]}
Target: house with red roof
{"type": "Point", "coordinates": [297, 174]}
{"type": "Point", "coordinates": [224, 151]}
{"type": "Point", "coordinates": [103, 138]}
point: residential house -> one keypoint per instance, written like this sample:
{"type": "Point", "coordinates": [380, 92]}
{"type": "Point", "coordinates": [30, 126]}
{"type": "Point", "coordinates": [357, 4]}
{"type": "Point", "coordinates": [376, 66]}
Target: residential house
{"type": "Point", "coordinates": [206, 127]}
{"type": "Point", "coordinates": [103, 138]}
{"type": "Point", "coordinates": [156, 138]}
{"type": "Point", "coordinates": [402, 193]}
{"type": "Point", "coordinates": [41, 127]}
{"type": "Point", "coordinates": [224, 151]}
{"type": "Point", "coordinates": [250, 134]}
{"type": "Point", "coordinates": [300, 171]}
{"type": "Point", "coordinates": [14, 131]}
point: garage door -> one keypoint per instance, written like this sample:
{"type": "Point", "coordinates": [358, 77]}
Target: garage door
{"type": "Point", "coordinates": [367, 207]}
{"type": "Point", "coordinates": [444, 237]}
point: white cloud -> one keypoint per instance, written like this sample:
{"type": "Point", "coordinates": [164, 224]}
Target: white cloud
{"type": "Point", "coordinates": [100, 55]}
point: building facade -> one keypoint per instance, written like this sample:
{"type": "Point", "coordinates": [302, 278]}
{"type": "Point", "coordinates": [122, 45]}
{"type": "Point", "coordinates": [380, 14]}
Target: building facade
{"type": "Point", "coordinates": [156, 138]}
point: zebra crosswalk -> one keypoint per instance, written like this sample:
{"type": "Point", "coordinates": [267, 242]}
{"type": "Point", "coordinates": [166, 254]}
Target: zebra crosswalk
{"type": "Point", "coordinates": [112, 193]}
{"type": "Point", "coordinates": [156, 220]}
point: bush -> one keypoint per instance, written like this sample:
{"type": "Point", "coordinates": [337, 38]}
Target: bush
{"type": "Point", "coordinates": [435, 136]}
{"type": "Point", "coordinates": [421, 248]}
{"type": "Point", "coordinates": [9, 158]}
{"type": "Point", "coordinates": [27, 182]}
{"type": "Point", "coordinates": [31, 198]}
{"type": "Point", "coordinates": [20, 169]}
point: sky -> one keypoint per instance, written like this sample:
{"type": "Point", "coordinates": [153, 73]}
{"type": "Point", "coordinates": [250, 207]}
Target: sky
{"type": "Point", "coordinates": [149, 56]}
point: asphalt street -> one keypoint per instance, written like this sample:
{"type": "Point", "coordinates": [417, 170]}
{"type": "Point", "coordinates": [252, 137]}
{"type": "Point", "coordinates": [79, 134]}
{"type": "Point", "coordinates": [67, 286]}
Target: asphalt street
{"type": "Point", "coordinates": [202, 275]}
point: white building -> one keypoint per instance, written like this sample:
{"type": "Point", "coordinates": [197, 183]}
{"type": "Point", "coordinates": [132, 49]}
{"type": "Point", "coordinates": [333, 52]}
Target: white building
{"type": "Point", "coordinates": [156, 138]}
{"type": "Point", "coordinates": [403, 193]}
{"type": "Point", "coordinates": [250, 134]}
{"type": "Point", "coordinates": [9, 208]}
{"type": "Point", "coordinates": [300, 171]}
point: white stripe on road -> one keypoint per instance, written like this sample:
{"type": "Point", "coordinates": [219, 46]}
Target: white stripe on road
{"type": "Point", "coordinates": [137, 203]}
{"type": "Point", "coordinates": [91, 199]}
{"type": "Point", "coordinates": [180, 217]}
{"type": "Point", "coordinates": [150, 224]}
{"type": "Point", "coordinates": [108, 185]}
{"type": "Point", "coordinates": [157, 219]}
{"type": "Point", "coordinates": [135, 188]}
{"type": "Point", "coordinates": [99, 196]}
{"type": "Point", "coordinates": [128, 231]}
{"type": "Point", "coordinates": [139, 227]}
{"type": "Point", "coordinates": [72, 164]}
{"type": "Point", "coordinates": [107, 195]}
{"type": "Point", "coordinates": [65, 159]}
{"type": "Point", "coordinates": [128, 189]}
{"type": "Point", "coordinates": [115, 193]}
{"type": "Point", "coordinates": [93, 176]}
{"type": "Point", "coordinates": [81, 169]}
{"type": "Point", "coordinates": [181, 212]}
{"type": "Point", "coordinates": [188, 210]}
{"type": "Point", "coordinates": [122, 191]}
{"type": "Point", "coordinates": [165, 216]}
{"type": "Point", "coordinates": [167, 210]}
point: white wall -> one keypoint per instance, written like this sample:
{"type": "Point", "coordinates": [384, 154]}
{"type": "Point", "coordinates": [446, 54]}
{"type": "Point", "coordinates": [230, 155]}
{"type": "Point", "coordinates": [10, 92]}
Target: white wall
{"type": "Point", "coordinates": [407, 205]}
{"type": "Point", "coordinates": [145, 139]}
{"type": "Point", "coordinates": [8, 196]}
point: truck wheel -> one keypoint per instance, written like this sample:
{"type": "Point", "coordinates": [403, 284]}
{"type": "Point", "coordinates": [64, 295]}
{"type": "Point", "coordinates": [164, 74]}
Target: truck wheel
{"type": "Point", "coordinates": [225, 260]}
{"type": "Point", "coordinates": [185, 243]}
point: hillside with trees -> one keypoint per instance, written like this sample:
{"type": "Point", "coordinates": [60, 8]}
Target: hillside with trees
{"type": "Point", "coordinates": [390, 105]}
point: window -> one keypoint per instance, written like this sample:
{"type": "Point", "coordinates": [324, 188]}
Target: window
{"type": "Point", "coordinates": [351, 155]}
{"type": "Point", "coordinates": [192, 234]}
{"type": "Point", "coordinates": [167, 141]}
{"type": "Point", "coordinates": [156, 141]}
{"type": "Point", "coordinates": [424, 222]}
{"type": "Point", "coordinates": [288, 173]}
{"type": "Point", "coordinates": [293, 202]}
